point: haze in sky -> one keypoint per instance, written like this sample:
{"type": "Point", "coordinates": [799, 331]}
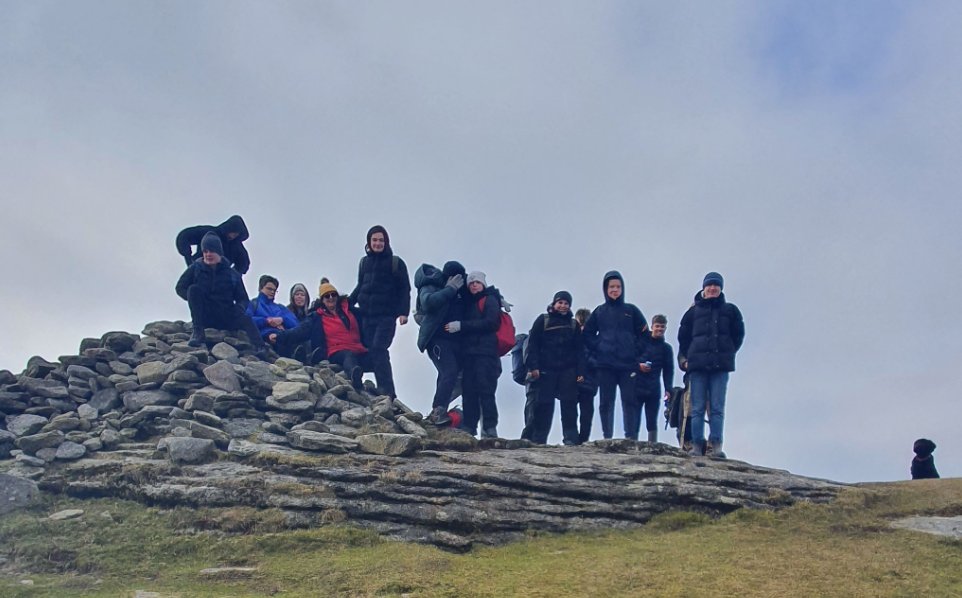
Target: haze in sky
{"type": "Point", "coordinates": [807, 151]}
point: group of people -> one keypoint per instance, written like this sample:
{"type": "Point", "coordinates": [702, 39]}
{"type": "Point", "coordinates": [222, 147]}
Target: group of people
{"type": "Point", "coordinates": [568, 357]}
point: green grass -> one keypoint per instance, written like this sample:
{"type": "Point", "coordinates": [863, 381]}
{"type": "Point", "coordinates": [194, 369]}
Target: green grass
{"type": "Point", "coordinates": [842, 549]}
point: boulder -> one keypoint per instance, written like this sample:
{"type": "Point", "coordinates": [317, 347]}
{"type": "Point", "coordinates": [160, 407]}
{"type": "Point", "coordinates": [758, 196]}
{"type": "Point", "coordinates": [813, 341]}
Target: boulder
{"type": "Point", "coordinates": [105, 400]}
{"type": "Point", "coordinates": [223, 376]}
{"type": "Point", "coordinates": [138, 399]}
{"type": "Point", "coordinates": [119, 342]}
{"type": "Point", "coordinates": [225, 352]}
{"type": "Point", "coordinates": [7, 443]}
{"type": "Point", "coordinates": [25, 425]}
{"type": "Point", "coordinates": [17, 493]}
{"type": "Point", "coordinates": [188, 450]}
{"type": "Point", "coordinates": [87, 412]}
{"type": "Point", "coordinates": [319, 441]}
{"type": "Point", "coordinates": [151, 372]}
{"type": "Point", "coordinates": [394, 445]}
{"type": "Point", "coordinates": [70, 451]}
{"type": "Point", "coordinates": [35, 442]}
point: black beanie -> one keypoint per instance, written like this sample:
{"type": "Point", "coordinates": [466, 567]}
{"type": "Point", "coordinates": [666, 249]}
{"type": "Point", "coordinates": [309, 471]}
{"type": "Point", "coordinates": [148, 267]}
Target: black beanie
{"type": "Point", "coordinates": [453, 268]}
{"type": "Point", "coordinates": [561, 295]}
{"type": "Point", "coordinates": [713, 278]}
{"type": "Point", "coordinates": [211, 242]}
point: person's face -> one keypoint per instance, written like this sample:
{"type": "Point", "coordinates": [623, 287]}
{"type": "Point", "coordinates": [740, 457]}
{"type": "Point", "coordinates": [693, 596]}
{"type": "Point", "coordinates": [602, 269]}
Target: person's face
{"type": "Point", "coordinates": [211, 258]}
{"type": "Point", "coordinates": [300, 298]}
{"type": "Point", "coordinates": [232, 235]}
{"type": "Point", "coordinates": [330, 300]}
{"type": "Point", "coordinates": [475, 286]}
{"type": "Point", "coordinates": [269, 290]}
{"type": "Point", "coordinates": [614, 289]}
{"type": "Point", "coordinates": [658, 330]}
{"type": "Point", "coordinates": [561, 306]}
{"type": "Point", "coordinates": [377, 242]}
{"type": "Point", "coordinates": [711, 291]}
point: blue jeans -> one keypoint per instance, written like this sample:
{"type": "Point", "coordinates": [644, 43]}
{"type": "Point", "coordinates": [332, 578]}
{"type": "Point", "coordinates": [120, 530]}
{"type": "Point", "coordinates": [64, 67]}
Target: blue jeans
{"type": "Point", "coordinates": [708, 389]}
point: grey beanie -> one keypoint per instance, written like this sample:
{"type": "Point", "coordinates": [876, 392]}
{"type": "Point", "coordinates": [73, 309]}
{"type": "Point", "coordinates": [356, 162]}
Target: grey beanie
{"type": "Point", "coordinates": [477, 276]}
{"type": "Point", "coordinates": [211, 242]}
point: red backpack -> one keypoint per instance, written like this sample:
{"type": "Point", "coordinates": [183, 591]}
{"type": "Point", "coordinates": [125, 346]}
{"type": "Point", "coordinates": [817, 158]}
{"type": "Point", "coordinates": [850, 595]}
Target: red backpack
{"type": "Point", "coordinates": [505, 333]}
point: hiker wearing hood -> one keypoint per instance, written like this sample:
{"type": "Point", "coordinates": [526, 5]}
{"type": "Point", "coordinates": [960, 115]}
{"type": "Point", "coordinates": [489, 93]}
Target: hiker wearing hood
{"type": "Point", "coordinates": [438, 304]}
{"type": "Point", "coordinates": [232, 234]}
{"type": "Point", "coordinates": [555, 364]}
{"type": "Point", "coordinates": [333, 331]}
{"type": "Point", "coordinates": [300, 302]}
{"type": "Point", "coordinates": [711, 332]}
{"type": "Point", "coordinates": [215, 294]}
{"type": "Point", "coordinates": [614, 337]}
{"type": "Point", "coordinates": [269, 316]}
{"type": "Point", "coordinates": [383, 299]}
{"type": "Point", "coordinates": [479, 353]}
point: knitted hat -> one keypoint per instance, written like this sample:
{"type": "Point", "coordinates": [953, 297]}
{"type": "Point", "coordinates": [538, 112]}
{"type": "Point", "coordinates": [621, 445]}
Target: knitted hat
{"type": "Point", "coordinates": [561, 296]}
{"type": "Point", "coordinates": [452, 268]}
{"type": "Point", "coordinates": [211, 242]}
{"type": "Point", "coordinates": [325, 288]}
{"type": "Point", "coordinates": [923, 447]}
{"type": "Point", "coordinates": [713, 278]}
{"type": "Point", "coordinates": [477, 276]}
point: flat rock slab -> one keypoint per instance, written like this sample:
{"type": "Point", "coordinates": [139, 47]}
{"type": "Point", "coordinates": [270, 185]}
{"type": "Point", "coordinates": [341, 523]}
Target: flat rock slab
{"type": "Point", "coordinates": [67, 514]}
{"type": "Point", "coordinates": [940, 526]}
{"type": "Point", "coordinates": [230, 572]}
{"type": "Point", "coordinates": [17, 493]}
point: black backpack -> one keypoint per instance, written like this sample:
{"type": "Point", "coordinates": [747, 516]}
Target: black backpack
{"type": "Point", "coordinates": [675, 407]}
{"type": "Point", "coordinates": [519, 373]}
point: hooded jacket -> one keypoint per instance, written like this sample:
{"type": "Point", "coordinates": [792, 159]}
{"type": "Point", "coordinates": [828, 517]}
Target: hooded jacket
{"type": "Point", "coordinates": [264, 307]}
{"type": "Point", "coordinates": [301, 313]}
{"type": "Point", "coordinates": [383, 287]}
{"type": "Point", "coordinates": [439, 304]}
{"type": "Point", "coordinates": [234, 249]}
{"type": "Point", "coordinates": [614, 332]}
{"type": "Point", "coordinates": [555, 343]}
{"type": "Point", "coordinates": [710, 333]}
{"type": "Point", "coordinates": [222, 284]}
{"type": "Point", "coordinates": [480, 322]}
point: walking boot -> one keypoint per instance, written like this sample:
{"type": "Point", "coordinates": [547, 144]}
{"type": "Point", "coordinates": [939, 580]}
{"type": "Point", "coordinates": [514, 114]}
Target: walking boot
{"type": "Point", "coordinates": [697, 449]}
{"type": "Point", "coordinates": [300, 354]}
{"type": "Point", "coordinates": [439, 417]}
{"type": "Point", "coordinates": [489, 432]}
{"type": "Point", "coordinates": [357, 375]}
{"type": "Point", "coordinates": [717, 452]}
{"type": "Point", "coordinates": [652, 436]}
{"type": "Point", "coordinates": [197, 337]}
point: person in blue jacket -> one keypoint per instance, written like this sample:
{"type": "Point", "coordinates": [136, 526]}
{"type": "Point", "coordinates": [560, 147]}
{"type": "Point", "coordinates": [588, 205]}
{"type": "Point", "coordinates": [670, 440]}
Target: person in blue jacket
{"type": "Point", "coordinates": [215, 294]}
{"type": "Point", "coordinates": [232, 234]}
{"type": "Point", "coordinates": [614, 337]}
{"type": "Point", "coordinates": [269, 316]}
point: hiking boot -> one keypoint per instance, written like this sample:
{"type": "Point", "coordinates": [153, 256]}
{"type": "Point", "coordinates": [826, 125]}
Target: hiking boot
{"type": "Point", "coordinates": [697, 449]}
{"type": "Point", "coordinates": [300, 354]}
{"type": "Point", "coordinates": [491, 432]}
{"type": "Point", "coordinates": [652, 436]}
{"type": "Point", "coordinates": [717, 451]}
{"type": "Point", "coordinates": [439, 417]}
{"type": "Point", "coordinates": [264, 353]}
{"type": "Point", "coordinates": [316, 357]}
{"type": "Point", "coordinates": [569, 442]}
{"type": "Point", "coordinates": [356, 378]}
{"type": "Point", "coordinates": [197, 337]}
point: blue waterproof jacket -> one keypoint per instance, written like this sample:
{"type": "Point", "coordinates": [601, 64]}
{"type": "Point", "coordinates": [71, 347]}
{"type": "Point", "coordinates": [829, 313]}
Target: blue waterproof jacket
{"type": "Point", "coordinates": [263, 307]}
{"type": "Point", "coordinates": [614, 333]}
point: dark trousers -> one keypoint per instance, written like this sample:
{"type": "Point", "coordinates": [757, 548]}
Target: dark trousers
{"type": "Point", "coordinates": [349, 360]}
{"type": "Point", "coordinates": [444, 356]}
{"type": "Point", "coordinates": [479, 383]}
{"type": "Point", "coordinates": [207, 314]}
{"type": "Point", "coordinates": [650, 403]}
{"type": "Point", "coordinates": [377, 334]}
{"type": "Point", "coordinates": [586, 408]}
{"type": "Point", "coordinates": [549, 386]}
{"type": "Point", "coordinates": [608, 381]}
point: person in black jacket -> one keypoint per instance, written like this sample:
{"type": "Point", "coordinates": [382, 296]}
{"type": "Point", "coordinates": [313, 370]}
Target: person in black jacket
{"type": "Point", "coordinates": [555, 366]}
{"type": "Point", "coordinates": [232, 233]}
{"type": "Point", "coordinates": [711, 332]}
{"type": "Point", "coordinates": [659, 363]}
{"type": "Point", "coordinates": [923, 464]}
{"type": "Point", "coordinates": [613, 335]}
{"type": "Point", "coordinates": [479, 350]}
{"type": "Point", "coordinates": [215, 294]}
{"type": "Point", "coordinates": [439, 303]}
{"type": "Point", "coordinates": [383, 299]}
{"type": "Point", "coordinates": [587, 388]}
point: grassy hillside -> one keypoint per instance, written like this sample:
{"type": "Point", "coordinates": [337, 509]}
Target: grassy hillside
{"type": "Point", "coordinates": [843, 549]}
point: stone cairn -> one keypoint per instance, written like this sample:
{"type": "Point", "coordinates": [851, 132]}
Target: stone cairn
{"type": "Point", "coordinates": [148, 418]}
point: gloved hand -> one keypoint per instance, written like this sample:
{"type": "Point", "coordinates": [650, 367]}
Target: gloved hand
{"type": "Point", "coordinates": [452, 327]}
{"type": "Point", "coordinates": [456, 281]}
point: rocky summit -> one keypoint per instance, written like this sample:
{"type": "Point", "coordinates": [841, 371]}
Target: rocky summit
{"type": "Point", "coordinates": [147, 417]}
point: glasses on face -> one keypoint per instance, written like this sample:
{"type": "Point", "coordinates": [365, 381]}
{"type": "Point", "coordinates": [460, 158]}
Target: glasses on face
{"type": "Point", "coordinates": [270, 289]}
{"type": "Point", "coordinates": [329, 296]}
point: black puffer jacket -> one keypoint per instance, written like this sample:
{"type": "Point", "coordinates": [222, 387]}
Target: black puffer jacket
{"type": "Point", "coordinates": [222, 283]}
{"type": "Point", "coordinates": [613, 332]}
{"type": "Point", "coordinates": [554, 343]}
{"type": "Point", "coordinates": [383, 287]}
{"type": "Point", "coordinates": [234, 249]}
{"type": "Point", "coordinates": [661, 356]}
{"type": "Point", "coordinates": [710, 334]}
{"type": "Point", "coordinates": [440, 304]}
{"type": "Point", "coordinates": [479, 323]}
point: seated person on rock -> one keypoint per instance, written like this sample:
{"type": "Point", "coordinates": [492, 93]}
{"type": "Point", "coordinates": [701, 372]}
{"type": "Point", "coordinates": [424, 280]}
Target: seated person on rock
{"type": "Point", "coordinates": [269, 316]}
{"type": "Point", "coordinates": [232, 233]}
{"type": "Point", "coordinates": [334, 334]}
{"type": "Point", "coordinates": [216, 296]}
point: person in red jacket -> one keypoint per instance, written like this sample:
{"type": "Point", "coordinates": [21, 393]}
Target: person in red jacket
{"type": "Point", "coordinates": [334, 334]}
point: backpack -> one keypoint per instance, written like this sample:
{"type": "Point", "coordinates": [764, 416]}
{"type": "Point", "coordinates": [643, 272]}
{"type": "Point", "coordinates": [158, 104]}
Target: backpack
{"type": "Point", "coordinates": [505, 333]}
{"type": "Point", "coordinates": [675, 407]}
{"type": "Point", "coordinates": [519, 373]}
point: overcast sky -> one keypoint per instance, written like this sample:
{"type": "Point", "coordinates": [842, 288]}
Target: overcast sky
{"type": "Point", "coordinates": [808, 151]}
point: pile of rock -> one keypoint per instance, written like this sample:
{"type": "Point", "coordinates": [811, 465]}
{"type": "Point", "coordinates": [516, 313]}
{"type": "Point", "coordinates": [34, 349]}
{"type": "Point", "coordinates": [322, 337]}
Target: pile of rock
{"type": "Point", "coordinates": [124, 390]}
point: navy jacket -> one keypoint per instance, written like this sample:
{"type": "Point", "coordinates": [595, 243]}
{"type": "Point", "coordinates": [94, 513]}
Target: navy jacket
{"type": "Point", "coordinates": [221, 283]}
{"type": "Point", "coordinates": [662, 359]}
{"type": "Point", "coordinates": [614, 332]}
{"type": "Point", "coordinates": [440, 304]}
{"type": "Point", "coordinates": [479, 324]}
{"type": "Point", "coordinates": [554, 344]}
{"type": "Point", "coordinates": [234, 249]}
{"type": "Point", "coordinates": [383, 289]}
{"type": "Point", "coordinates": [710, 334]}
